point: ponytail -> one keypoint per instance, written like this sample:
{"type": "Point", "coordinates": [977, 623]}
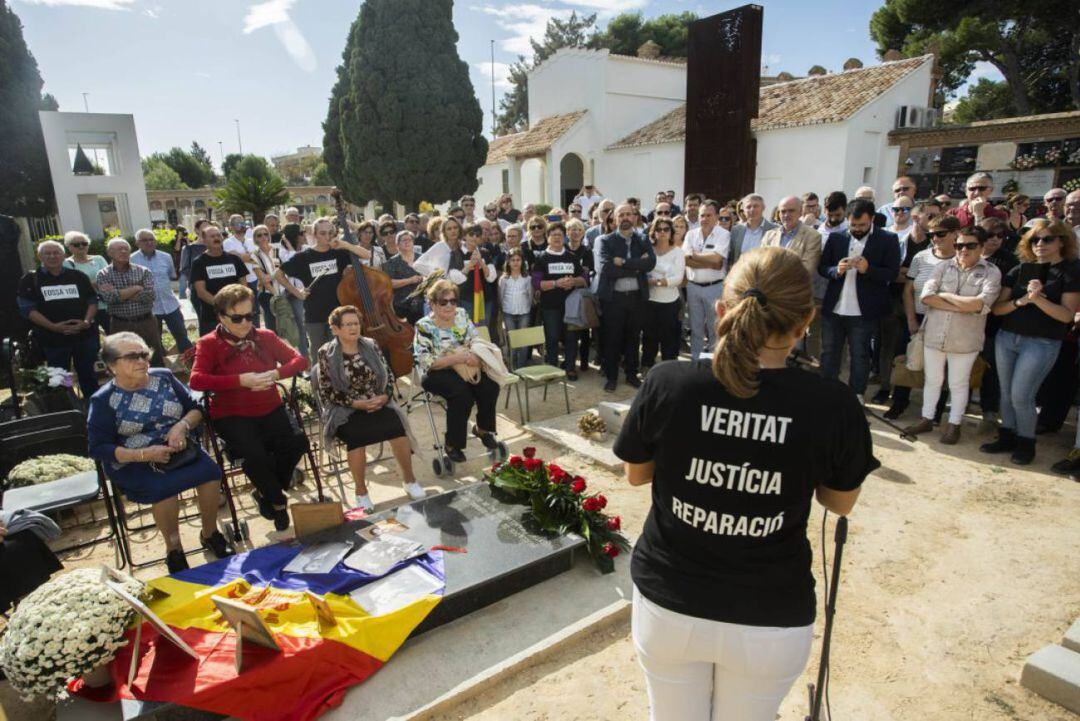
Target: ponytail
{"type": "Point", "coordinates": [767, 293]}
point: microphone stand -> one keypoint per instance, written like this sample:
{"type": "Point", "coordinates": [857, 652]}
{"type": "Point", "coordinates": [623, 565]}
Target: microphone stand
{"type": "Point", "coordinates": [817, 691]}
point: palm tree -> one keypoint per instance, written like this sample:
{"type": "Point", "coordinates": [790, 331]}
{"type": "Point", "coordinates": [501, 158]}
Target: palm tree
{"type": "Point", "coordinates": [245, 194]}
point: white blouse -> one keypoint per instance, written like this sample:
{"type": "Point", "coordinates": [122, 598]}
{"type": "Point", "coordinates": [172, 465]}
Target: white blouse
{"type": "Point", "coordinates": [670, 265]}
{"type": "Point", "coordinates": [515, 294]}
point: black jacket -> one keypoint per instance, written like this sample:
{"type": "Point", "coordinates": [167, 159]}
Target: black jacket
{"type": "Point", "coordinates": [640, 260]}
{"type": "Point", "coordinates": [872, 287]}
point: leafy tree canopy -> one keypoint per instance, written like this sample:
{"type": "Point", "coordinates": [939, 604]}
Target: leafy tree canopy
{"type": "Point", "coordinates": [25, 181]}
{"type": "Point", "coordinates": [985, 100]}
{"type": "Point", "coordinates": [251, 194]}
{"type": "Point", "coordinates": [321, 175]}
{"type": "Point", "coordinates": [157, 175]}
{"type": "Point", "coordinates": [229, 164]}
{"type": "Point", "coordinates": [192, 171]}
{"type": "Point", "coordinates": [629, 31]}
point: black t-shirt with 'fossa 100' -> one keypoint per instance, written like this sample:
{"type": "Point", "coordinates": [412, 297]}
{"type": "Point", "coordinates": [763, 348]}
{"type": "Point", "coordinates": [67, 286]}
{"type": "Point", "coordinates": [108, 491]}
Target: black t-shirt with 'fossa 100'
{"type": "Point", "coordinates": [725, 539]}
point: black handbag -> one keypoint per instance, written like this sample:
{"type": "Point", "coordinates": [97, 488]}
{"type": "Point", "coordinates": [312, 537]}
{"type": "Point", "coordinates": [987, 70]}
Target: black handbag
{"type": "Point", "coordinates": [179, 459]}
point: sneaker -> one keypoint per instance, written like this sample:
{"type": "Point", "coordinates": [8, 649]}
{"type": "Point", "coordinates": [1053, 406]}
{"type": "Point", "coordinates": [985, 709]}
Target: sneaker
{"type": "Point", "coordinates": [217, 545]}
{"type": "Point", "coordinates": [455, 454]}
{"type": "Point", "coordinates": [266, 509]}
{"type": "Point", "coordinates": [1069, 465]}
{"type": "Point", "coordinates": [363, 502]}
{"type": "Point", "coordinates": [923, 425]}
{"type": "Point", "coordinates": [881, 397]}
{"type": "Point", "coordinates": [281, 518]}
{"type": "Point", "coordinates": [609, 387]}
{"type": "Point", "coordinates": [951, 436]}
{"type": "Point", "coordinates": [415, 490]}
{"type": "Point", "coordinates": [486, 437]}
{"type": "Point", "coordinates": [176, 561]}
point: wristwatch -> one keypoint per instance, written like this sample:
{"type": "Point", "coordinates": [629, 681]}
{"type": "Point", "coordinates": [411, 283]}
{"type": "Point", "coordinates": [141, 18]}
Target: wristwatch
{"type": "Point", "coordinates": [1016, 303]}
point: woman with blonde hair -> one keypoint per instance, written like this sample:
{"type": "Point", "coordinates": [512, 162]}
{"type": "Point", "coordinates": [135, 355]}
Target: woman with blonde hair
{"type": "Point", "coordinates": [724, 605]}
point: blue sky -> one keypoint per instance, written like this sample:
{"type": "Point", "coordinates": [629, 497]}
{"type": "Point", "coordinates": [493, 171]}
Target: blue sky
{"type": "Point", "coordinates": [187, 69]}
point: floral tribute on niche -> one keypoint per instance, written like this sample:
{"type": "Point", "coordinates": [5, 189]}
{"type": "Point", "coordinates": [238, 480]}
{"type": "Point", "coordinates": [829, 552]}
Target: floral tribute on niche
{"type": "Point", "coordinates": [558, 504]}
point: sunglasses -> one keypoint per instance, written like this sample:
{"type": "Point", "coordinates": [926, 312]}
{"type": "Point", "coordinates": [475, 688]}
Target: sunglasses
{"type": "Point", "coordinates": [980, 188]}
{"type": "Point", "coordinates": [141, 355]}
{"type": "Point", "coordinates": [665, 229]}
{"type": "Point", "coordinates": [1045, 240]}
{"type": "Point", "coordinates": [724, 218]}
{"type": "Point", "coordinates": [239, 317]}
{"type": "Point", "coordinates": [900, 209]}
{"type": "Point", "coordinates": [664, 213]}
{"type": "Point", "coordinates": [446, 301]}
{"type": "Point", "coordinates": [80, 245]}
{"type": "Point", "coordinates": [384, 233]}
{"type": "Point", "coordinates": [536, 227]}
{"type": "Point", "coordinates": [940, 233]}
{"type": "Point", "coordinates": [262, 235]}
{"type": "Point", "coordinates": [575, 212]}
{"type": "Point", "coordinates": [1055, 200]}
{"type": "Point", "coordinates": [965, 246]}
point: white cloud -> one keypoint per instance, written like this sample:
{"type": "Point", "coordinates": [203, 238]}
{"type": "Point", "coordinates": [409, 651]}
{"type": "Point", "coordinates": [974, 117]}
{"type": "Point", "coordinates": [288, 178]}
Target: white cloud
{"type": "Point", "coordinates": [275, 13]}
{"type": "Point", "coordinates": [521, 22]}
{"type": "Point", "coordinates": [984, 69]}
{"type": "Point", "coordinates": [773, 59]}
{"type": "Point", "coordinates": [153, 13]}
{"type": "Point", "coordinates": [100, 4]}
{"type": "Point", "coordinates": [607, 7]}
{"type": "Point", "coordinates": [502, 74]}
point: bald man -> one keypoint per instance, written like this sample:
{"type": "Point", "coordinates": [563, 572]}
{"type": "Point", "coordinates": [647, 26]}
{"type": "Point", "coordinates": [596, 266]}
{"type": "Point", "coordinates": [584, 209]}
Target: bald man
{"type": "Point", "coordinates": [805, 241]}
{"type": "Point", "coordinates": [129, 291]}
{"type": "Point", "coordinates": [902, 187]}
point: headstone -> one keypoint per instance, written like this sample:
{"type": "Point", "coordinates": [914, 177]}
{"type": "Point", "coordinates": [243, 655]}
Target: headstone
{"type": "Point", "coordinates": [723, 82]}
{"type": "Point", "coordinates": [613, 415]}
{"type": "Point", "coordinates": [1053, 672]}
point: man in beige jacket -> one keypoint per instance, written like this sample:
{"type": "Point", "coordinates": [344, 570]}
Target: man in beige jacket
{"type": "Point", "coordinates": [804, 241]}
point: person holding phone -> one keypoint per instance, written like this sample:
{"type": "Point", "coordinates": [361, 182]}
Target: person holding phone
{"type": "Point", "coordinates": [1039, 299]}
{"type": "Point", "coordinates": [723, 601]}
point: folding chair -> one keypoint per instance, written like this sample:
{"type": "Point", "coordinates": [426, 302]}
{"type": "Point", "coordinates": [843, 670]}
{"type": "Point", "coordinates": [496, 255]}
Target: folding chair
{"type": "Point", "coordinates": [484, 333]}
{"type": "Point", "coordinates": [50, 433]}
{"type": "Point", "coordinates": [537, 375]}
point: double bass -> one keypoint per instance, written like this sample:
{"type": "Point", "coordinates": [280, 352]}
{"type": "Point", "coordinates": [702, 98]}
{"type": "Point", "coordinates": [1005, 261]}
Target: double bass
{"type": "Point", "coordinates": [370, 290]}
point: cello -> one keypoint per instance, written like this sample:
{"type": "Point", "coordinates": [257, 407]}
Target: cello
{"type": "Point", "coordinates": [370, 290]}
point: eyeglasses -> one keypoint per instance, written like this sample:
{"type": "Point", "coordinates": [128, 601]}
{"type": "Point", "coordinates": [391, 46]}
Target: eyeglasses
{"type": "Point", "coordinates": [239, 317]}
{"type": "Point", "coordinates": [901, 188]}
{"type": "Point", "coordinates": [1045, 239]}
{"type": "Point", "coordinates": [262, 235]}
{"type": "Point", "coordinates": [1055, 199]}
{"type": "Point", "coordinates": [664, 213]}
{"type": "Point", "coordinates": [724, 218]}
{"type": "Point", "coordinates": [965, 246]}
{"type": "Point", "coordinates": [665, 229]}
{"type": "Point", "coordinates": [940, 233]}
{"type": "Point", "coordinates": [445, 301]}
{"type": "Point", "coordinates": [979, 188]}
{"type": "Point", "coordinates": [900, 209]}
{"type": "Point", "coordinates": [141, 355]}
{"type": "Point", "coordinates": [576, 212]}
{"type": "Point", "coordinates": [80, 244]}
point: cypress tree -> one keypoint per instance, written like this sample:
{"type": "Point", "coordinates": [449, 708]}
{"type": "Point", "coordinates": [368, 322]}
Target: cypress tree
{"type": "Point", "coordinates": [409, 126]}
{"type": "Point", "coordinates": [25, 182]}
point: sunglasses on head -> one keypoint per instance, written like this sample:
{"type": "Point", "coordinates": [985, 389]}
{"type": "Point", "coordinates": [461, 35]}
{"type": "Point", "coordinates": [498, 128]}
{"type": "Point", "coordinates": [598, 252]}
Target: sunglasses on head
{"type": "Point", "coordinates": [979, 188]}
{"type": "Point", "coordinates": [141, 355]}
{"type": "Point", "coordinates": [966, 246]}
{"type": "Point", "coordinates": [1045, 239]}
{"type": "Point", "coordinates": [239, 317]}
{"type": "Point", "coordinates": [940, 233]}
{"type": "Point", "coordinates": [445, 301]}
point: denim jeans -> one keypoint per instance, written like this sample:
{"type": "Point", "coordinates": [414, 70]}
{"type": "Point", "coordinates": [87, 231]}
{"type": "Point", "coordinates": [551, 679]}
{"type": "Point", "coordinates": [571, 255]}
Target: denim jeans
{"type": "Point", "coordinates": [184, 284]}
{"type": "Point", "coordinates": [83, 353]}
{"type": "Point", "coordinates": [554, 329]}
{"type": "Point", "coordinates": [175, 323]}
{"type": "Point", "coordinates": [520, 356]}
{"type": "Point", "coordinates": [1022, 364]}
{"type": "Point", "coordinates": [297, 305]}
{"type": "Point", "coordinates": [267, 313]}
{"type": "Point", "coordinates": [856, 331]}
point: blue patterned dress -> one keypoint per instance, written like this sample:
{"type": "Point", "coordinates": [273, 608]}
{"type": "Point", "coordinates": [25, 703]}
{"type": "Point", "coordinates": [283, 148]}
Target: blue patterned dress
{"type": "Point", "coordinates": [140, 419]}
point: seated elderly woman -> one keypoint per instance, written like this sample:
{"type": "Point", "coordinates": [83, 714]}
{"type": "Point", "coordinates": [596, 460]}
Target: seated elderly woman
{"type": "Point", "coordinates": [140, 428]}
{"type": "Point", "coordinates": [241, 365]}
{"type": "Point", "coordinates": [356, 394]}
{"type": "Point", "coordinates": [442, 342]}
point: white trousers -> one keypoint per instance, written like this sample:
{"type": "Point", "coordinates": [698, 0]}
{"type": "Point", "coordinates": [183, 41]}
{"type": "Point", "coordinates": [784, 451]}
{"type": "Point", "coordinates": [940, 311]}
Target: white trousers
{"type": "Point", "coordinates": [960, 365]}
{"type": "Point", "coordinates": [702, 670]}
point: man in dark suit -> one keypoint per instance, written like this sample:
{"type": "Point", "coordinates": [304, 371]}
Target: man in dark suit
{"type": "Point", "coordinates": [859, 264]}
{"type": "Point", "coordinates": [626, 257]}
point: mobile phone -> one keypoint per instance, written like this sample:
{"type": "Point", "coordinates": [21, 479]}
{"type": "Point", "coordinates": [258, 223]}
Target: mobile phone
{"type": "Point", "coordinates": [553, 218]}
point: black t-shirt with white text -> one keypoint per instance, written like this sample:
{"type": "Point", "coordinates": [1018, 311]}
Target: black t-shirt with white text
{"type": "Point", "coordinates": [1030, 320]}
{"type": "Point", "coordinates": [59, 297]}
{"type": "Point", "coordinates": [552, 266]}
{"type": "Point", "coordinates": [725, 539]}
{"type": "Point", "coordinates": [307, 265]}
{"type": "Point", "coordinates": [217, 272]}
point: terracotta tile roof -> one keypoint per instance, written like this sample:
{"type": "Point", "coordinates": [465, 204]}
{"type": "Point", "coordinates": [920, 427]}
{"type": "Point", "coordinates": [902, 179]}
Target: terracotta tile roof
{"type": "Point", "coordinates": [536, 140]}
{"type": "Point", "coordinates": [809, 101]}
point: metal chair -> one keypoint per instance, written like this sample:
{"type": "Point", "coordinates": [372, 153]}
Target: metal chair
{"type": "Point", "coordinates": [537, 375]}
{"type": "Point", "coordinates": [50, 433]}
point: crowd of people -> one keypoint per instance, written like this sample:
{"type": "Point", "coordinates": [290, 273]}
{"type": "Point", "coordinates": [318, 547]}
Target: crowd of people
{"type": "Point", "coordinates": [984, 294]}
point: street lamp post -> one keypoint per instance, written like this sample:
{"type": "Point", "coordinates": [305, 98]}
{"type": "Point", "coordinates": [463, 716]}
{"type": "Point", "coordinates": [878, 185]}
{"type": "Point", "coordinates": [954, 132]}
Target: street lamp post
{"type": "Point", "coordinates": [239, 142]}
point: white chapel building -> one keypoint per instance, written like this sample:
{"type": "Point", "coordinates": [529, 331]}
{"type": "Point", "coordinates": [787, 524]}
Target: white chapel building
{"type": "Point", "coordinates": [619, 122]}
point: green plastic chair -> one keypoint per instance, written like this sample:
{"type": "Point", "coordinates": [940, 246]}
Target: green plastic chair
{"type": "Point", "coordinates": [540, 375]}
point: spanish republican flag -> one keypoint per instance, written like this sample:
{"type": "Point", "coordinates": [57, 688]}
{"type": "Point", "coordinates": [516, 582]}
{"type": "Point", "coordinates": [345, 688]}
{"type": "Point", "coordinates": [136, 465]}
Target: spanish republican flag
{"type": "Point", "coordinates": [317, 662]}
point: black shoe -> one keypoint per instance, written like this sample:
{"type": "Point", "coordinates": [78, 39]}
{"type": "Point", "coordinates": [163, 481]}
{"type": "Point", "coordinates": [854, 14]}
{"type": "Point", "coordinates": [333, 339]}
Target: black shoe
{"type": "Point", "coordinates": [1069, 465]}
{"type": "Point", "coordinates": [217, 545]}
{"type": "Point", "coordinates": [584, 366]}
{"type": "Point", "coordinates": [895, 411]}
{"type": "Point", "coordinates": [176, 561]}
{"type": "Point", "coordinates": [455, 454]}
{"type": "Point", "coordinates": [1025, 451]}
{"type": "Point", "coordinates": [633, 381]}
{"type": "Point", "coordinates": [486, 437]}
{"type": "Point", "coordinates": [1006, 441]}
{"type": "Point", "coordinates": [609, 387]}
{"type": "Point", "coordinates": [266, 509]}
{"type": "Point", "coordinates": [281, 519]}
{"type": "Point", "coordinates": [881, 397]}
{"type": "Point", "coordinates": [571, 375]}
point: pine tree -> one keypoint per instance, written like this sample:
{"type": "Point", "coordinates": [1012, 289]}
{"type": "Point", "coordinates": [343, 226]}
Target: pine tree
{"type": "Point", "coordinates": [408, 124]}
{"type": "Point", "coordinates": [25, 181]}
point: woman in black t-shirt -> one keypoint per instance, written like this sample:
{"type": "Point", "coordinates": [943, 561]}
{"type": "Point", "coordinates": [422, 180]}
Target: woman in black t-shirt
{"type": "Point", "coordinates": [724, 599]}
{"type": "Point", "coordinates": [1038, 300]}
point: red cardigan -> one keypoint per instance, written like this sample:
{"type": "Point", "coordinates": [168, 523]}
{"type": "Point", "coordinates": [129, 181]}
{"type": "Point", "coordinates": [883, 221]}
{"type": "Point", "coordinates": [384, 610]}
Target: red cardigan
{"type": "Point", "coordinates": [217, 368]}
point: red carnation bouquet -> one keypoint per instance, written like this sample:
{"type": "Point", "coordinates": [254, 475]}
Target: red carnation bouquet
{"type": "Point", "coordinates": [559, 505]}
